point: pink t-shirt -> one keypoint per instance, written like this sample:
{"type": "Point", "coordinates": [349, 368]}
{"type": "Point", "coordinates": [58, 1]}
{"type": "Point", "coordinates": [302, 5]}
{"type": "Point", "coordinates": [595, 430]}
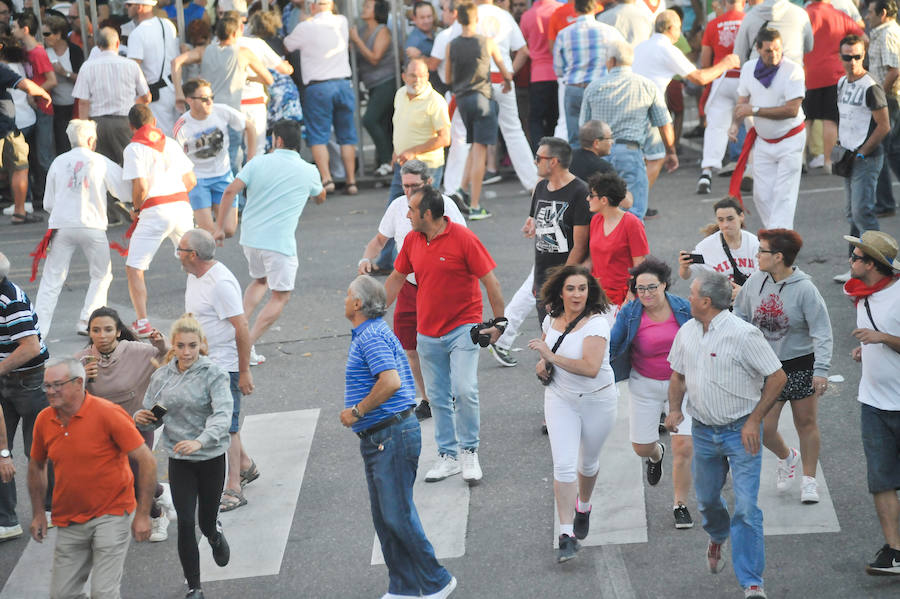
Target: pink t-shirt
{"type": "Point", "coordinates": [534, 25]}
{"type": "Point", "coordinates": [651, 345]}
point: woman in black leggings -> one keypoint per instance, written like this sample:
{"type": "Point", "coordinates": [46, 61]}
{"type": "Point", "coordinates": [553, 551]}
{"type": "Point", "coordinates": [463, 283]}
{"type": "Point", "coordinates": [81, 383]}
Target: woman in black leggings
{"type": "Point", "coordinates": [196, 397]}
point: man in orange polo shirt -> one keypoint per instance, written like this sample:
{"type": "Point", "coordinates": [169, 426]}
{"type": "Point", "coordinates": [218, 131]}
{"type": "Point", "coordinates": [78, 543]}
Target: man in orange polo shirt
{"type": "Point", "coordinates": [89, 440]}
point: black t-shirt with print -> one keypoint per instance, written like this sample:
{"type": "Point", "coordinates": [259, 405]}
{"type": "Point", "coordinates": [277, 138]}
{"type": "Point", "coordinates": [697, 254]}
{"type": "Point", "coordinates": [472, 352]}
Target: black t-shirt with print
{"type": "Point", "coordinates": [556, 214]}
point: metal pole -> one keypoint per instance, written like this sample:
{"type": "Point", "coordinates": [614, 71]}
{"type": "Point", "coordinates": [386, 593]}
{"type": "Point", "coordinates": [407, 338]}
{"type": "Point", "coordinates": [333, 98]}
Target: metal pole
{"type": "Point", "coordinates": [179, 15]}
{"type": "Point", "coordinates": [95, 19]}
{"type": "Point", "coordinates": [82, 18]}
{"type": "Point", "coordinates": [352, 17]}
{"type": "Point", "coordinates": [397, 9]}
{"type": "Point", "coordinates": [39, 34]}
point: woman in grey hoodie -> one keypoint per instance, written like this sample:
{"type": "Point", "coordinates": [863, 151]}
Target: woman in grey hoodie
{"type": "Point", "coordinates": [781, 300]}
{"type": "Point", "coordinates": [192, 397]}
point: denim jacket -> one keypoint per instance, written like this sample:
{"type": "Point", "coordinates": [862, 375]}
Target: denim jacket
{"type": "Point", "coordinates": [628, 321]}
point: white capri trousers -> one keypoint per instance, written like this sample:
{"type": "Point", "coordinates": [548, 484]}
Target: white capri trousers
{"type": "Point", "coordinates": [776, 180]}
{"type": "Point", "coordinates": [649, 399]}
{"type": "Point", "coordinates": [578, 425]}
{"type": "Point", "coordinates": [256, 114]}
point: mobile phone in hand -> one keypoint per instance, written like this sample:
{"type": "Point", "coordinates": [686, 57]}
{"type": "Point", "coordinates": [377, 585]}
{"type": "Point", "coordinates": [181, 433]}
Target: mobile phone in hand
{"type": "Point", "coordinates": [158, 411]}
{"type": "Point", "coordinates": [697, 259]}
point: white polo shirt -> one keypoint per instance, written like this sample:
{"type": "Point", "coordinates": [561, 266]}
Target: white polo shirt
{"type": "Point", "coordinates": [659, 60]}
{"type": "Point", "coordinates": [789, 83]}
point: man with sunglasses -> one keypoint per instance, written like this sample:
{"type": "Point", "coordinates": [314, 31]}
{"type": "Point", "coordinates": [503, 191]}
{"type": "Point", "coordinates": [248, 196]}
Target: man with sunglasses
{"type": "Point", "coordinates": [863, 124]}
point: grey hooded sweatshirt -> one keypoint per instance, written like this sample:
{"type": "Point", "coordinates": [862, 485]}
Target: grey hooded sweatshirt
{"type": "Point", "coordinates": [791, 21]}
{"type": "Point", "coordinates": [199, 405]}
{"type": "Point", "coordinates": [791, 315]}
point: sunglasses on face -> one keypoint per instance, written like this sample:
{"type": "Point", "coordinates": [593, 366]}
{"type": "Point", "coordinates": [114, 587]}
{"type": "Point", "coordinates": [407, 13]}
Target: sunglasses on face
{"type": "Point", "coordinates": [851, 57]}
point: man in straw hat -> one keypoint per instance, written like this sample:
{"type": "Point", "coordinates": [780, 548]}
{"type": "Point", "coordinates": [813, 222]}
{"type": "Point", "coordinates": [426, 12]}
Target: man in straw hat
{"type": "Point", "coordinates": [874, 269]}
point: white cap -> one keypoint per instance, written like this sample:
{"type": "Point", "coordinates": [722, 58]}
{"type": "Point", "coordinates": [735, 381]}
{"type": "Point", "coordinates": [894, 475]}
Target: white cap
{"type": "Point", "coordinates": [142, 2]}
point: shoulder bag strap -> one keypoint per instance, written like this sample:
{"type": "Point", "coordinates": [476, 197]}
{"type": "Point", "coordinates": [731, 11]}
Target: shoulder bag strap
{"type": "Point", "coordinates": [567, 331]}
{"type": "Point", "coordinates": [869, 313]}
{"type": "Point", "coordinates": [162, 67]}
{"type": "Point", "coordinates": [739, 277]}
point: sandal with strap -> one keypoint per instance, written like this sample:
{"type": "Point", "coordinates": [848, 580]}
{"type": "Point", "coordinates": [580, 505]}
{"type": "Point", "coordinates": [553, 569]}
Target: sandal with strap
{"type": "Point", "coordinates": [249, 475]}
{"type": "Point", "coordinates": [231, 500]}
{"type": "Point", "coordinates": [328, 186]}
{"type": "Point", "coordinates": [26, 219]}
{"type": "Point", "coordinates": [352, 189]}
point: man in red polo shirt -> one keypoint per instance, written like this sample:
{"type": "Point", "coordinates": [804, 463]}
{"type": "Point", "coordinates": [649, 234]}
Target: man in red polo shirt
{"type": "Point", "coordinates": [448, 260]}
{"type": "Point", "coordinates": [89, 441]}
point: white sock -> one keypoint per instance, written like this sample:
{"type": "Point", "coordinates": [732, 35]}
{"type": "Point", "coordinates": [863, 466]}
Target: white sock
{"type": "Point", "coordinates": [567, 529]}
{"type": "Point", "coordinates": [582, 507]}
{"type": "Point", "coordinates": [807, 479]}
{"type": "Point", "coordinates": [706, 171]}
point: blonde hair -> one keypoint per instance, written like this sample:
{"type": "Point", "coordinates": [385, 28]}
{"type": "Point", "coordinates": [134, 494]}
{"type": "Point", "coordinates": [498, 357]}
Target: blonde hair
{"type": "Point", "coordinates": [186, 323]}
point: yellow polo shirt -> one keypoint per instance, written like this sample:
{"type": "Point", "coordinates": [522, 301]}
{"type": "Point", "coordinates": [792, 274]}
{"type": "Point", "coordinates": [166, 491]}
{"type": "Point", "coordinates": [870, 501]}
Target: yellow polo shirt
{"type": "Point", "coordinates": [418, 120]}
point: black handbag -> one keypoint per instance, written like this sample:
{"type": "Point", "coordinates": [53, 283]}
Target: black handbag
{"type": "Point", "coordinates": [549, 367]}
{"type": "Point", "coordinates": [842, 161]}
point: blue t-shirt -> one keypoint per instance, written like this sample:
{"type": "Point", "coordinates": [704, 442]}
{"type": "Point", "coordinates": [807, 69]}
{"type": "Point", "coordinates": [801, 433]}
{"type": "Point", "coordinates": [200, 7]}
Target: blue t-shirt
{"type": "Point", "coordinates": [8, 79]}
{"type": "Point", "coordinates": [192, 12]}
{"type": "Point", "coordinates": [373, 349]}
{"type": "Point", "coordinates": [420, 41]}
{"type": "Point", "coordinates": [278, 185]}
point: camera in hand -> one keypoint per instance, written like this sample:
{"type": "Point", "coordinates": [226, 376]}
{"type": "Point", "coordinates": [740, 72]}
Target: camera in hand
{"type": "Point", "coordinates": [479, 337]}
{"type": "Point", "coordinates": [697, 259]}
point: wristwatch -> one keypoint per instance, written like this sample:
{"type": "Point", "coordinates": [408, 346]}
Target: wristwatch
{"type": "Point", "coordinates": [4, 453]}
{"type": "Point", "coordinates": [356, 413]}
{"type": "Point", "coordinates": [755, 109]}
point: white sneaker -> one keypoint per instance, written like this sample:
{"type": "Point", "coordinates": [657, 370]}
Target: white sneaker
{"type": "Point", "coordinates": [471, 469]}
{"type": "Point", "coordinates": [810, 490]}
{"type": "Point", "coordinates": [165, 502]}
{"type": "Point", "coordinates": [10, 210]}
{"type": "Point", "coordinates": [817, 162]}
{"type": "Point", "coordinates": [10, 532]}
{"type": "Point", "coordinates": [384, 170]}
{"type": "Point", "coordinates": [444, 592]}
{"type": "Point", "coordinates": [255, 358]}
{"type": "Point", "coordinates": [786, 470]}
{"type": "Point", "coordinates": [445, 466]}
{"type": "Point", "coordinates": [842, 278]}
{"type": "Point", "coordinates": [158, 529]}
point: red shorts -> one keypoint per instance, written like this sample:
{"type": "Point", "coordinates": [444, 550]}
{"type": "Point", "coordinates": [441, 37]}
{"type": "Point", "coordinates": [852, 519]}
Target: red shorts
{"type": "Point", "coordinates": [675, 96]}
{"type": "Point", "coordinates": [405, 315]}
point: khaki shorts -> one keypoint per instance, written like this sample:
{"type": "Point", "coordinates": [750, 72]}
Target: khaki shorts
{"type": "Point", "coordinates": [13, 152]}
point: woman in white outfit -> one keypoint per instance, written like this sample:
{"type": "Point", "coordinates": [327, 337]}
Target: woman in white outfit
{"type": "Point", "coordinates": [580, 399]}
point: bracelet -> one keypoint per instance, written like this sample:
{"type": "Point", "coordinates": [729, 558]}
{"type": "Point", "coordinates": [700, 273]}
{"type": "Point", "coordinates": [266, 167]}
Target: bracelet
{"type": "Point", "coordinates": [369, 260]}
{"type": "Point", "coordinates": [860, 155]}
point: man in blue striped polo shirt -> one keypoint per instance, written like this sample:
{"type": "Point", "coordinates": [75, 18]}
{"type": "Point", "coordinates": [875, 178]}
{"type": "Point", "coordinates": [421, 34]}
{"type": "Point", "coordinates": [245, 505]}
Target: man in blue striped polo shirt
{"type": "Point", "coordinates": [379, 397]}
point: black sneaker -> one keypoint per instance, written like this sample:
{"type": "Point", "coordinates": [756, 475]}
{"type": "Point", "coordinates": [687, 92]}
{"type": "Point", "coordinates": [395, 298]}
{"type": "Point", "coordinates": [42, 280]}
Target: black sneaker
{"type": "Point", "coordinates": [568, 547]}
{"type": "Point", "coordinates": [651, 213]}
{"type": "Point", "coordinates": [662, 424]}
{"type": "Point", "coordinates": [491, 177]}
{"type": "Point", "coordinates": [423, 410]}
{"type": "Point", "coordinates": [703, 184]}
{"type": "Point", "coordinates": [683, 517]}
{"type": "Point", "coordinates": [503, 355]}
{"type": "Point", "coordinates": [887, 562]}
{"type": "Point", "coordinates": [194, 594]}
{"type": "Point", "coordinates": [655, 469]}
{"type": "Point", "coordinates": [582, 523]}
{"type": "Point", "coordinates": [220, 551]}
{"type": "Point", "coordinates": [461, 199]}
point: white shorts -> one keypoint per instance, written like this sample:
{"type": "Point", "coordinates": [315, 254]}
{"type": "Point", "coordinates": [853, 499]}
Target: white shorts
{"type": "Point", "coordinates": [155, 224]}
{"type": "Point", "coordinates": [279, 270]}
{"type": "Point", "coordinates": [650, 398]}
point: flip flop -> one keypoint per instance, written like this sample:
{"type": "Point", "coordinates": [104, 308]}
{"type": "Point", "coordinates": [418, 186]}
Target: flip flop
{"type": "Point", "coordinates": [328, 186]}
{"type": "Point", "coordinates": [26, 219]}
{"type": "Point", "coordinates": [249, 475]}
{"type": "Point", "coordinates": [226, 505]}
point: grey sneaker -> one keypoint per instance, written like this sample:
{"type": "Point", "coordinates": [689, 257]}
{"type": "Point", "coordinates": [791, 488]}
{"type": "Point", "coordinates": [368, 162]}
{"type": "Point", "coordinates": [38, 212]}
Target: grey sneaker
{"type": "Point", "coordinates": [502, 355]}
{"type": "Point", "coordinates": [754, 592]}
{"type": "Point", "coordinates": [568, 547]}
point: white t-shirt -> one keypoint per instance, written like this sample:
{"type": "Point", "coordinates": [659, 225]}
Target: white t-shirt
{"type": "Point", "coordinates": [856, 102]}
{"type": "Point", "coordinates": [146, 44]}
{"type": "Point", "coordinates": [77, 183]}
{"type": "Point", "coordinates": [213, 299]}
{"type": "Point", "coordinates": [163, 170]}
{"type": "Point", "coordinates": [714, 255]}
{"type": "Point", "coordinates": [789, 83]}
{"type": "Point", "coordinates": [206, 142]}
{"type": "Point", "coordinates": [394, 224]}
{"type": "Point", "coordinates": [439, 49]}
{"type": "Point", "coordinates": [879, 385]}
{"type": "Point", "coordinates": [573, 347]}
{"type": "Point", "coordinates": [659, 60]}
{"type": "Point", "coordinates": [270, 60]}
{"type": "Point", "coordinates": [62, 93]}
{"type": "Point", "coordinates": [493, 22]}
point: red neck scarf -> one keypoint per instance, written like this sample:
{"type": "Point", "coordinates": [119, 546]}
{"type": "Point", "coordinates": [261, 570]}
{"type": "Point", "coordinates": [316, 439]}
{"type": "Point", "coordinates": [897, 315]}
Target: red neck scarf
{"type": "Point", "coordinates": [857, 290]}
{"type": "Point", "coordinates": [151, 137]}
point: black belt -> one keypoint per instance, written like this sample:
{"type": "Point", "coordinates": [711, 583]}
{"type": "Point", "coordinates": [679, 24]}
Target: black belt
{"type": "Point", "coordinates": [383, 424]}
{"type": "Point", "coordinates": [314, 81]}
{"type": "Point", "coordinates": [629, 144]}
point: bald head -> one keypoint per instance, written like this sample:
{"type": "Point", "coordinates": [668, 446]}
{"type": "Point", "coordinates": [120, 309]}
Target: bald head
{"type": "Point", "coordinates": [108, 38]}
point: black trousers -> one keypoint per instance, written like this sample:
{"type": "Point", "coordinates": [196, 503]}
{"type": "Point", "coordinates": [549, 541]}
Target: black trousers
{"type": "Point", "coordinates": [543, 111]}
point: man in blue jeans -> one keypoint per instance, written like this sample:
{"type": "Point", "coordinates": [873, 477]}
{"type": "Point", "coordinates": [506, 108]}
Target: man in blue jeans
{"type": "Point", "coordinates": [379, 398]}
{"type": "Point", "coordinates": [449, 261]}
{"type": "Point", "coordinates": [721, 362]}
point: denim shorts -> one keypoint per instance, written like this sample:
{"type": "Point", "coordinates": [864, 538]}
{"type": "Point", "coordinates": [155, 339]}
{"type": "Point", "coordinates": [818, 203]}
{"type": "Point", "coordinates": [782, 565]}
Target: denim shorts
{"type": "Point", "coordinates": [208, 191]}
{"type": "Point", "coordinates": [479, 115]}
{"type": "Point", "coordinates": [329, 103]}
{"type": "Point", "coordinates": [881, 442]}
{"type": "Point", "coordinates": [236, 395]}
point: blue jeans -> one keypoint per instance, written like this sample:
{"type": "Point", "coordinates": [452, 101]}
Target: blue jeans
{"type": "Point", "coordinates": [716, 448]}
{"type": "Point", "coordinates": [386, 258]}
{"type": "Point", "coordinates": [572, 102]}
{"type": "Point", "coordinates": [859, 190]}
{"type": "Point", "coordinates": [629, 163]}
{"type": "Point", "coordinates": [884, 194]}
{"type": "Point", "coordinates": [235, 153]}
{"type": "Point", "coordinates": [391, 457]}
{"type": "Point", "coordinates": [450, 370]}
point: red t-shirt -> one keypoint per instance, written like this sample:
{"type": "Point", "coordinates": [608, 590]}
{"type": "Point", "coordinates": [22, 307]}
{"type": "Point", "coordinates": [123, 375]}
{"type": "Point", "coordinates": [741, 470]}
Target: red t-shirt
{"type": "Point", "coordinates": [447, 269]}
{"type": "Point", "coordinates": [720, 33]}
{"type": "Point", "coordinates": [36, 66]}
{"type": "Point", "coordinates": [612, 254]}
{"type": "Point", "coordinates": [561, 18]}
{"type": "Point", "coordinates": [823, 64]}
{"type": "Point", "coordinates": [90, 460]}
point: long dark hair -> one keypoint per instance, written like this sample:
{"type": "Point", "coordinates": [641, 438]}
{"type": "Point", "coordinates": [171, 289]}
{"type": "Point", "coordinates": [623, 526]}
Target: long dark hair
{"type": "Point", "coordinates": [124, 333]}
{"type": "Point", "coordinates": [551, 292]}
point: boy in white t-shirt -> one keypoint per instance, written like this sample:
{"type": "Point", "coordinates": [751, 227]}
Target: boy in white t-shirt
{"type": "Point", "coordinates": [203, 135]}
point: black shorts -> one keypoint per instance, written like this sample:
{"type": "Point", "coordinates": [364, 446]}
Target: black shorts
{"type": "Point", "coordinates": [821, 104]}
{"type": "Point", "coordinates": [799, 373]}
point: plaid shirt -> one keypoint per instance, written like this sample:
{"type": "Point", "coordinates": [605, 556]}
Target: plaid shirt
{"type": "Point", "coordinates": [629, 103]}
{"type": "Point", "coordinates": [579, 53]}
{"type": "Point", "coordinates": [884, 53]}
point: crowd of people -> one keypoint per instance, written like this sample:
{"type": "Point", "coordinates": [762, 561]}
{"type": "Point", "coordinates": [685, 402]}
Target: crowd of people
{"type": "Point", "coordinates": [196, 136]}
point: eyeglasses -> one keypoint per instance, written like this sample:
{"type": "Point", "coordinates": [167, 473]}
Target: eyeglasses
{"type": "Point", "coordinates": [47, 33]}
{"type": "Point", "coordinates": [849, 57]}
{"type": "Point", "coordinates": [538, 158]}
{"type": "Point", "coordinates": [762, 251]}
{"type": "Point", "coordinates": [855, 257]}
{"type": "Point", "coordinates": [55, 387]}
{"type": "Point", "coordinates": [606, 139]}
{"type": "Point", "coordinates": [594, 195]}
{"type": "Point", "coordinates": [185, 250]}
{"type": "Point", "coordinates": [413, 186]}
{"type": "Point", "coordinates": [648, 289]}
{"type": "Point", "coordinates": [204, 99]}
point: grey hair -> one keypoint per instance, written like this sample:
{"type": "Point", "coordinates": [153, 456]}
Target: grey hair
{"type": "Point", "coordinates": [715, 286]}
{"type": "Point", "coordinates": [79, 131]}
{"type": "Point", "coordinates": [559, 149]}
{"type": "Point", "coordinates": [415, 167]}
{"type": "Point", "coordinates": [203, 243]}
{"type": "Point", "coordinates": [4, 266]}
{"type": "Point", "coordinates": [590, 131]}
{"type": "Point", "coordinates": [621, 51]}
{"type": "Point", "coordinates": [666, 20]}
{"type": "Point", "coordinates": [107, 37]}
{"type": "Point", "coordinates": [76, 368]}
{"type": "Point", "coordinates": [371, 293]}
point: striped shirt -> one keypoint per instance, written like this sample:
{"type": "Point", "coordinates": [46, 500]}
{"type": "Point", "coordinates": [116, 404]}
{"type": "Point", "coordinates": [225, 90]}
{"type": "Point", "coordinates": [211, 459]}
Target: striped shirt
{"type": "Point", "coordinates": [17, 321]}
{"type": "Point", "coordinates": [373, 349]}
{"type": "Point", "coordinates": [110, 83]}
{"type": "Point", "coordinates": [579, 54]}
{"type": "Point", "coordinates": [724, 368]}
{"type": "Point", "coordinates": [628, 102]}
